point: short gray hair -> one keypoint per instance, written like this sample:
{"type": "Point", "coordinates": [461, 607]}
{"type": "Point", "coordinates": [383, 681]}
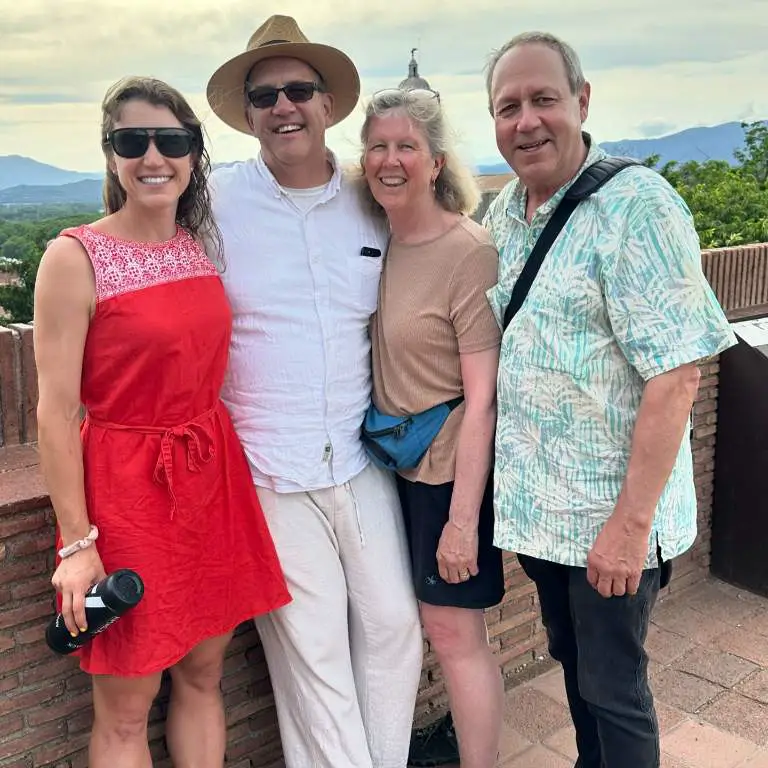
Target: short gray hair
{"type": "Point", "coordinates": [455, 187]}
{"type": "Point", "coordinates": [573, 71]}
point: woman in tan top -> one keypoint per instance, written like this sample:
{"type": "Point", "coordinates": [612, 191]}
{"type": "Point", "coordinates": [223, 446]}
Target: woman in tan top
{"type": "Point", "coordinates": [434, 339]}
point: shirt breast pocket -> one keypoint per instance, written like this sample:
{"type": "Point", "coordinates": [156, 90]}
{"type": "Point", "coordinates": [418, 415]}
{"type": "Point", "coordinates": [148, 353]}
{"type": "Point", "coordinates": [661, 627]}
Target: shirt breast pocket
{"type": "Point", "coordinates": [364, 276]}
{"type": "Point", "coordinates": [364, 265]}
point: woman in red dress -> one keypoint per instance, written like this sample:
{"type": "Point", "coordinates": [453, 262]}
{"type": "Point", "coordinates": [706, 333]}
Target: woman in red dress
{"type": "Point", "coordinates": [131, 320]}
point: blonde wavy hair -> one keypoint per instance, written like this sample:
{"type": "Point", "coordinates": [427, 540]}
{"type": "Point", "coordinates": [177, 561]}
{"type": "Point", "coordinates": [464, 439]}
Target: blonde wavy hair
{"type": "Point", "coordinates": [455, 187]}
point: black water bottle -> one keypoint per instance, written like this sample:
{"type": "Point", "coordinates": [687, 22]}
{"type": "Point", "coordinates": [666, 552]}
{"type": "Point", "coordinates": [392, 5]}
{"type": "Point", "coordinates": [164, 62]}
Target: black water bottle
{"type": "Point", "coordinates": [105, 603]}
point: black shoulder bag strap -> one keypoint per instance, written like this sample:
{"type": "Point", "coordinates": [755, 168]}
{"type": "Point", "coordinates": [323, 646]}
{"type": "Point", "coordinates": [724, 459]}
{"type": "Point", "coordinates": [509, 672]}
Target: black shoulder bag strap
{"type": "Point", "coordinates": [588, 182]}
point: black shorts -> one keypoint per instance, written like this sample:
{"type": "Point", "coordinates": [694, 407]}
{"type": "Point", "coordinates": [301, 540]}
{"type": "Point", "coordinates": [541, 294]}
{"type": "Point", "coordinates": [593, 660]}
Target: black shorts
{"type": "Point", "coordinates": [425, 511]}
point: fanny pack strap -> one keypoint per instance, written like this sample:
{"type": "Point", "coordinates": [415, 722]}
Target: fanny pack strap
{"type": "Point", "coordinates": [455, 403]}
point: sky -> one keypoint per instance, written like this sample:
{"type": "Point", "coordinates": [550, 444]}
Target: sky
{"type": "Point", "coordinates": [656, 66]}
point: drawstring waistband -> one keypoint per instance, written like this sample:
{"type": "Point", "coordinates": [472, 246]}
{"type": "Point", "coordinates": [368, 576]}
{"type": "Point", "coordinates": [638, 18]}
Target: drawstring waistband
{"type": "Point", "coordinates": [194, 435]}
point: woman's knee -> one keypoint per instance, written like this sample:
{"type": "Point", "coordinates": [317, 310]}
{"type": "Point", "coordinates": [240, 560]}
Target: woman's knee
{"type": "Point", "coordinates": [202, 667]}
{"type": "Point", "coordinates": [454, 632]}
{"type": "Point", "coordinates": [121, 706]}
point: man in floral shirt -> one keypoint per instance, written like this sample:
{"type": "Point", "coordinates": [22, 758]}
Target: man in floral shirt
{"type": "Point", "coordinates": [597, 376]}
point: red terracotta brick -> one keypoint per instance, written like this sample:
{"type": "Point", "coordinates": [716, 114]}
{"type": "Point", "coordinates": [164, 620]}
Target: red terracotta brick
{"type": "Point", "coordinates": [246, 637]}
{"type": "Point", "coordinates": [244, 747]}
{"type": "Point", "coordinates": [269, 756]}
{"type": "Point", "coordinates": [28, 381]}
{"type": "Point", "coordinates": [9, 396]}
{"type": "Point", "coordinates": [33, 738]}
{"type": "Point", "coordinates": [22, 656]}
{"type": "Point", "coordinates": [23, 763]}
{"type": "Point", "coordinates": [239, 730]}
{"type": "Point", "coordinates": [242, 711]}
{"type": "Point", "coordinates": [78, 682]}
{"type": "Point", "coordinates": [21, 523]}
{"type": "Point", "coordinates": [15, 457]}
{"type": "Point", "coordinates": [237, 680]}
{"type": "Point", "coordinates": [50, 670]}
{"type": "Point", "coordinates": [40, 585]}
{"type": "Point", "coordinates": [26, 612]}
{"type": "Point", "coordinates": [32, 633]}
{"type": "Point", "coordinates": [234, 662]}
{"type": "Point", "coordinates": [50, 753]}
{"type": "Point", "coordinates": [260, 688]}
{"type": "Point", "coordinates": [6, 642]}
{"type": "Point", "coordinates": [11, 725]}
{"type": "Point", "coordinates": [22, 490]}
{"type": "Point", "coordinates": [79, 759]}
{"type": "Point", "coordinates": [492, 616]}
{"type": "Point", "coordinates": [15, 572]}
{"type": "Point", "coordinates": [59, 709]}
{"type": "Point", "coordinates": [81, 721]}
{"type": "Point", "coordinates": [41, 540]}
{"type": "Point", "coordinates": [236, 697]}
{"type": "Point", "coordinates": [704, 431]}
{"type": "Point", "coordinates": [20, 702]}
{"type": "Point", "coordinates": [9, 683]}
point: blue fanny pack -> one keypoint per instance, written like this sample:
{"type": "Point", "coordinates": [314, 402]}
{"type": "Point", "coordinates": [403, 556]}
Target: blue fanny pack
{"type": "Point", "coordinates": [400, 442]}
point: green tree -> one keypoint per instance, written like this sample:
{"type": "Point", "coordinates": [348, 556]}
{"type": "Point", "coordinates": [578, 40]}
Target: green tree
{"type": "Point", "coordinates": [20, 257]}
{"type": "Point", "coordinates": [22, 244]}
{"type": "Point", "coordinates": [754, 156]}
{"type": "Point", "coordinates": [729, 203]}
{"type": "Point", "coordinates": [729, 208]}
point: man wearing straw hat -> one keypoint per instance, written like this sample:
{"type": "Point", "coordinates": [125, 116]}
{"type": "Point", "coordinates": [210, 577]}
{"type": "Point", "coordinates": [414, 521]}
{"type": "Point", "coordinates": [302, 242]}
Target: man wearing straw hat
{"type": "Point", "coordinates": [303, 266]}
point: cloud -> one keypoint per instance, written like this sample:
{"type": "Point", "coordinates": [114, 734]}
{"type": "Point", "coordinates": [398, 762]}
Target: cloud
{"type": "Point", "coordinates": [654, 128]}
{"type": "Point", "coordinates": [41, 98]}
{"type": "Point", "coordinates": [453, 36]}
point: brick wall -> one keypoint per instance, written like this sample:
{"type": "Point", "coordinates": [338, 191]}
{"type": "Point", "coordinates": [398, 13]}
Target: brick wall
{"type": "Point", "coordinates": [693, 566]}
{"type": "Point", "coordinates": [45, 711]}
{"type": "Point", "coordinates": [18, 385]}
{"type": "Point", "coordinates": [45, 701]}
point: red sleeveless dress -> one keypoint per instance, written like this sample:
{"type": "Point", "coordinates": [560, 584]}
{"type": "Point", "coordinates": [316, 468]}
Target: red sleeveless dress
{"type": "Point", "coordinates": [166, 480]}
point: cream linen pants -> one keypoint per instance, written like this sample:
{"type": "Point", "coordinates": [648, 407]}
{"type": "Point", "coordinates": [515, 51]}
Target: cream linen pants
{"type": "Point", "coordinates": [345, 656]}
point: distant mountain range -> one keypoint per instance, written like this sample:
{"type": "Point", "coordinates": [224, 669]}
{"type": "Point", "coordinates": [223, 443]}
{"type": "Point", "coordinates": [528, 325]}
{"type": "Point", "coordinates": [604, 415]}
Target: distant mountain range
{"type": "Point", "coordinates": [26, 181]}
{"type": "Point", "coordinates": [16, 170]}
{"type": "Point", "coordinates": [85, 192]}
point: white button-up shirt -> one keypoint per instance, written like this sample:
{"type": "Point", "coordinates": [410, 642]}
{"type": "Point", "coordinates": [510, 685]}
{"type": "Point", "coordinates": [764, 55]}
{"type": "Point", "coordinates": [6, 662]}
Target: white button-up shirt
{"type": "Point", "coordinates": [302, 294]}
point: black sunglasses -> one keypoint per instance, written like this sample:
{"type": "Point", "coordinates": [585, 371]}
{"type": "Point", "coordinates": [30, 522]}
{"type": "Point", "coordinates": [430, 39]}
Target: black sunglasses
{"type": "Point", "coordinates": [131, 143]}
{"type": "Point", "coordinates": [265, 96]}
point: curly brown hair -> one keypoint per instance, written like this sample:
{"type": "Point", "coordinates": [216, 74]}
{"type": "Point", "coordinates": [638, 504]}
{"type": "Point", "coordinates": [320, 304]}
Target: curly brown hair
{"type": "Point", "coordinates": [194, 212]}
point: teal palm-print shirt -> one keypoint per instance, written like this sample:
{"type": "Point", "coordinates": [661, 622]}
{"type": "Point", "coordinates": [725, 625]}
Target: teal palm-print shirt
{"type": "Point", "coordinates": [620, 298]}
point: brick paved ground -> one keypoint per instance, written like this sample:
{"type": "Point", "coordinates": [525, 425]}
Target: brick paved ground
{"type": "Point", "coordinates": [709, 671]}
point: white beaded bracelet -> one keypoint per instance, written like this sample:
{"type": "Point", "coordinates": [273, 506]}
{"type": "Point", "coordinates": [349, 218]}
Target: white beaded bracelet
{"type": "Point", "coordinates": [80, 544]}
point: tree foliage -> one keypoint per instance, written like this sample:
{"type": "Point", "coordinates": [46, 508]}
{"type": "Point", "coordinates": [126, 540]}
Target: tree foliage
{"type": "Point", "coordinates": [22, 244]}
{"type": "Point", "coordinates": [729, 203]}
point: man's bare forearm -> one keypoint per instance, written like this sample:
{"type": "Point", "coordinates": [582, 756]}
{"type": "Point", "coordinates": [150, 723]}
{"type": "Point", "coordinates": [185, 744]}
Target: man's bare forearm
{"type": "Point", "coordinates": [658, 434]}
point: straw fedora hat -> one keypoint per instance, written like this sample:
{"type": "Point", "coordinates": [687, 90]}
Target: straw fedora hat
{"type": "Point", "coordinates": [281, 36]}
